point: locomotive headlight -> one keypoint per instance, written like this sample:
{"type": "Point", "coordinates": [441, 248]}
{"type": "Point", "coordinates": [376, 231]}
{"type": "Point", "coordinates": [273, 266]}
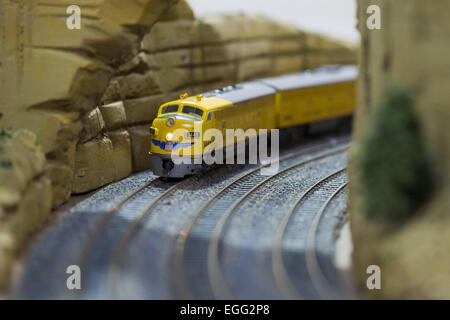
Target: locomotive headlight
{"type": "Point", "coordinates": [169, 136]}
{"type": "Point", "coordinates": [170, 122]}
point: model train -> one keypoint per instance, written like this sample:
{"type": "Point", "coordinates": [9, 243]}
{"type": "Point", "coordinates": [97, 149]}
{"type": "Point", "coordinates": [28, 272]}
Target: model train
{"type": "Point", "coordinates": [273, 103]}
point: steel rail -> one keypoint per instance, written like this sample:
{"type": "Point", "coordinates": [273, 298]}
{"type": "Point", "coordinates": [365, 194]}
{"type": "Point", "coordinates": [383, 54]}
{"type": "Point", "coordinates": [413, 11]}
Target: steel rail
{"type": "Point", "coordinates": [319, 280]}
{"type": "Point", "coordinates": [102, 223]}
{"type": "Point", "coordinates": [279, 271]}
{"type": "Point", "coordinates": [118, 253]}
{"type": "Point", "coordinates": [180, 280]}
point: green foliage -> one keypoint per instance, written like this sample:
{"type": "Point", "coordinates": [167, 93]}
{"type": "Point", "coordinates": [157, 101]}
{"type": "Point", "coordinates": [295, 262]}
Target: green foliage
{"type": "Point", "coordinates": [395, 176]}
{"type": "Point", "coordinates": [7, 164]}
{"type": "Point", "coordinates": [5, 134]}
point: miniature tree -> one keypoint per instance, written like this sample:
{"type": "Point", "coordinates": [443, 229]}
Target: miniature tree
{"type": "Point", "coordinates": [395, 176]}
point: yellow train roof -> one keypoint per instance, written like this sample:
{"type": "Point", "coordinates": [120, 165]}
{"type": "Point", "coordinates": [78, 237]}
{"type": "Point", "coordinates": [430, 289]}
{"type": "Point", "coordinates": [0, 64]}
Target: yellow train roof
{"type": "Point", "coordinates": [235, 94]}
{"type": "Point", "coordinates": [205, 103]}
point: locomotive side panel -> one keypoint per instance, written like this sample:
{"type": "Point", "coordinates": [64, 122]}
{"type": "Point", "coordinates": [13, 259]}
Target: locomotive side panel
{"type": "Point", "coordinates": [316, 103]}
{"type": "Point", "coordinates": [252, 114]}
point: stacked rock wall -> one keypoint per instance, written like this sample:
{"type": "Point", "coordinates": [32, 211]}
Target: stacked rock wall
{"type": "Point", "coordinates": [25, 192]}
{"type": "Point", "coordinates": [51, 79]}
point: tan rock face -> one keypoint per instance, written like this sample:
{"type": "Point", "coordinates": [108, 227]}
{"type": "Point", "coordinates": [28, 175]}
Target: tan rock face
{"type": "Point", "coordinates": [59, 173]}
{"type": "Point", "coordinates": [143, 110]}
{"type": "Point", "coordinates": [102, 160]}
{"type": "Point", "coordinates": [136, 85]}
{"type": "Point", "coordinates": [93, 125]}
{"type": "Point", "coordinates": [91, 170]}
{"type": "Point", "coordinates": [172, 34]}
{"type": "Point", "coordinates": [114, 115]}
{"type": "Point", "coordinates": [140, 147]}
{"type": "Point", "coordinates": [53, 129]}
{"type": "Point", "coordinates": [256, 68]}
{"type": "Point", "coordinates": [411, 50]}
{"type": "Point", "coordinates": [25, 193]}
{"type": "Point", "coordinates": [65, 79]}
{"type": "Point", "coordinates": [181, 10]}
{"type": "Point", "coordinates": [51, 75]}
{"type": "Point", "coordinates": [51, 82]}
{"type": "Point", "coordinates": [21, 161]}
{"type": "Point", "coordinates": [122, 161]}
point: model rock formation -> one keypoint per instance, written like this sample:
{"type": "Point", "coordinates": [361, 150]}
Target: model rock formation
{"type": "Point", "coordinates": [25, 192]}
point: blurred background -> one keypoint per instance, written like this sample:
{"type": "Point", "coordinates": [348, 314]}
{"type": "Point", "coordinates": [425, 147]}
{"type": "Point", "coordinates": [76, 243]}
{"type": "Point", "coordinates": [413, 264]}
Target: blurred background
{"type": "Point", "coordinates": [336, 19]}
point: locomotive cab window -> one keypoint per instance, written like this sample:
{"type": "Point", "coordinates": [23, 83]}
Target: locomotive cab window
{"type": "Point", "coordinates": [209, 117]}
{"type": "Point", "coordinates": [169, 109]}
{"type": "Point", "coordinates": [193, 111]}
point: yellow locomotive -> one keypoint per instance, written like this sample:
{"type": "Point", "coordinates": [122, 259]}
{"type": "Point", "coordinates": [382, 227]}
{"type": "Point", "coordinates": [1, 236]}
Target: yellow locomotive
{"type": "Point", "coordinates": [280, 102]}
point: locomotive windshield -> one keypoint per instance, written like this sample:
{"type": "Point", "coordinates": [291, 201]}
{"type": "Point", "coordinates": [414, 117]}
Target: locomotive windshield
{"type": "Point", "coordinates": [192, 111]}
{"type": "Point", "coordinates": [169, 109]}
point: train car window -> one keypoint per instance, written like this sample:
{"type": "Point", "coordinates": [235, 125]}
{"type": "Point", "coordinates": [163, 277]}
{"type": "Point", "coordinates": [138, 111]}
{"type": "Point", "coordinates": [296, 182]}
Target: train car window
{"type": "Point", "coordinates": [193, 111]}
{"type": "Point", "coordinates": [215, 115]}
{"type": "Point", "coordinates": [209, 117]}
{"type": "Point", "coordinates": [169, 109]}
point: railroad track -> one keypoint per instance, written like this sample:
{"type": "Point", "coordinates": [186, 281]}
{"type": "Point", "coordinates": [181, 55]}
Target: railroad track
{"type": "Point", "coordinates": [214, 216]}
{"type": "Point", "coordinates": [284, 281]}
{"type": "Point", "coordinates": [105, 246]}
{"type": "Point", "coordinates": [325, 289]}
{"type": "Point", "coordinates": [237, 185]}
{"type": "Point", "coordinates": [117, 257]}
{"type": "Point", "coordinates": [107, 217]}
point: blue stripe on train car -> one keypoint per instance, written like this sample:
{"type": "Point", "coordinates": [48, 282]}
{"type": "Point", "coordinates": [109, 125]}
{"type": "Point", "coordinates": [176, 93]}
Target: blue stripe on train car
{"type": "Point", "coordinates": [179, 117]}
{"type": "Point", "coordinates": [172, 146]}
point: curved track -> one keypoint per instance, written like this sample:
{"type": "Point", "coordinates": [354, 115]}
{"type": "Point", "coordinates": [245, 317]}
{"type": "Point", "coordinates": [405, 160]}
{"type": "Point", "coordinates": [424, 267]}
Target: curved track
{"type": "Point", "coordinates": [229, 232]}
